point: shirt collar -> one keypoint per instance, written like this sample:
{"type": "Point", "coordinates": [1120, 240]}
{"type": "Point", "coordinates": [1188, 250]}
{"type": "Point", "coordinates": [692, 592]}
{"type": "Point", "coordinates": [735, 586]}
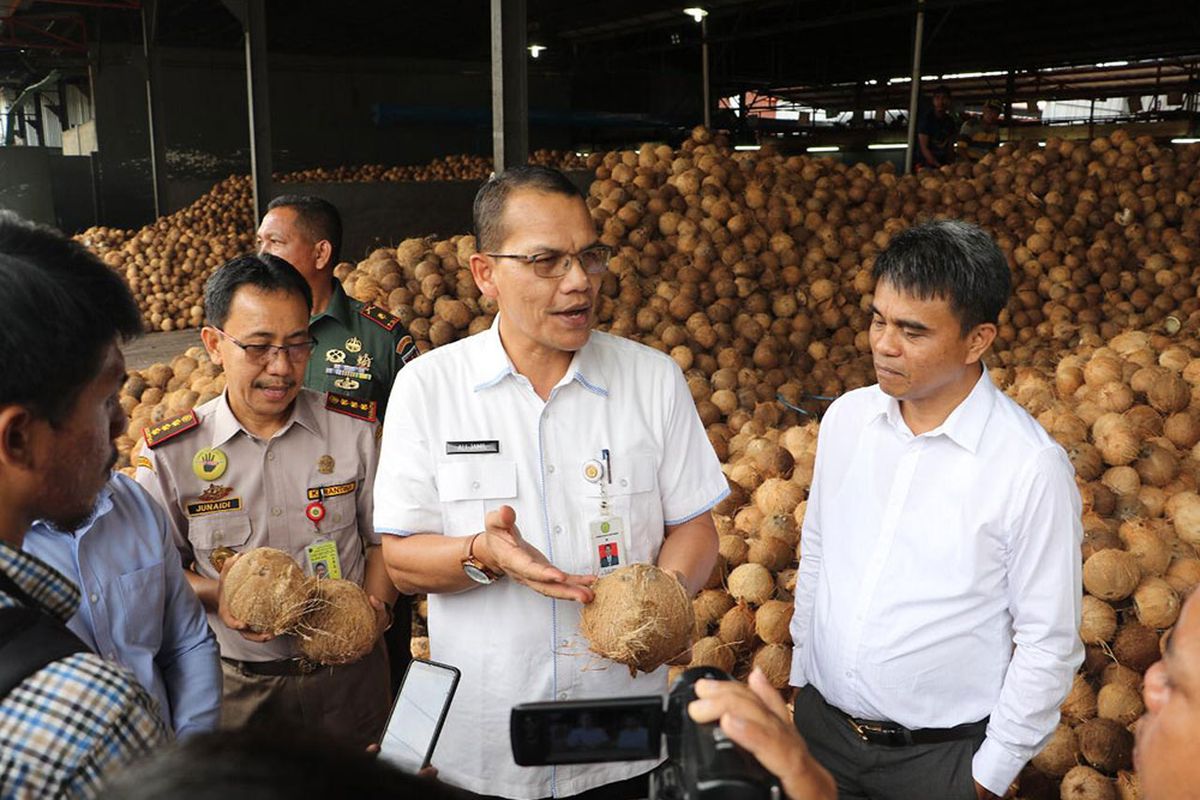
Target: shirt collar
{"type": "Point", "coordinates": [103, 505]}
{"type": "Point", "coordinates": [494, 364]}
{"type": "Point", "coordinates": [226, 425]}
{"type": "Point", "coordinates": [338, 307]}
{"type": "Point", "coordinates": [40, 581]}
{"type": "Point", "coordinates": [966, 422]}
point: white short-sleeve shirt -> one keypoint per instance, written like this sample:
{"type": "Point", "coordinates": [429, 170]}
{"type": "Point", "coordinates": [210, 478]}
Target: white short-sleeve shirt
{"type": "Point", "coordinates": [467, 434]}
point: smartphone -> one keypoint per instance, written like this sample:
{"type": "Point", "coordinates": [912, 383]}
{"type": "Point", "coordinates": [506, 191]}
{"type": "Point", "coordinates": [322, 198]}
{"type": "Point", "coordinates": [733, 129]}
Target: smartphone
{"type": "Point", "coordinates": [418, 713]}
{"type": "Point", "coordinates": [587, 731]}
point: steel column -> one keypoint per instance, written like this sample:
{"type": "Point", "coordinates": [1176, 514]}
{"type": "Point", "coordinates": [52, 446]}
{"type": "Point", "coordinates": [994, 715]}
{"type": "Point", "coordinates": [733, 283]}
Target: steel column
{"type": "Point", "coordinates": [914, 95]}
{"type": "Point", "coordinates": [158, 158]}
{"type": "Point", "coordinates": [510, 85]}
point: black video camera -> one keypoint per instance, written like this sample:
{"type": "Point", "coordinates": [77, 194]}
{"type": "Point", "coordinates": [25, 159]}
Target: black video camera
{"type": "Point", "coordinates": [702, 762]}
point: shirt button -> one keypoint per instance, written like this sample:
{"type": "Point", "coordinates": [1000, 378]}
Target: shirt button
{"type": "Point", "coordinates": [562, 695]}
{"type": "Point", "coordinates": [564, 643]}
{"type": "Point", "coordinates": [112, 656]}
{"type": "Point", "coordinates": [849, 673]}
{"type": "Point", "coordinates": [624, 482]}
{"type": "Point", "coordinates": [550, 468]}
{"type": "Point", "coordinates": [558, 528]}
{"type": "Point", "coordinates": [270, 456]}
{"type": "Point", "coordinates": [275, 512]}
{"type": "Point", "coordinates": [94, 598]}
{"type": "Point", "coordinates": [475, 485]}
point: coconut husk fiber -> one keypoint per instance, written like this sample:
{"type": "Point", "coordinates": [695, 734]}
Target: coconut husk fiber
{"type": "Point", "coordinates": [642, 617]}
{"type": "Point", "coordinates": [341, 627]}
{"type": "Point", "coordinates": [267, 590]}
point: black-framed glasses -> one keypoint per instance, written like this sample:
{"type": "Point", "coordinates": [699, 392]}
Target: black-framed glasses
{"type": "Point", "coordinates": [550, 264]}
{"type": "Point", "coordinates": [263, 354]}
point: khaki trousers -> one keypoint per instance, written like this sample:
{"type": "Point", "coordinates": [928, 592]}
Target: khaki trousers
{"type": "Point", "coordinates": [350, 703]}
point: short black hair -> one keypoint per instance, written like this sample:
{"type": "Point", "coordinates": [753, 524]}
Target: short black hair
{"type": "Point", "coordinates": [61, 308]}
{"type": "Point", "coordinates": [952, 260]}
{"type": "Point", "coordinates": [488, 210]}
{"type": "Point", "coordinates": [266, 764]}
{"type": "Point", "coordinates": [261, 270]}
{"type": "Point", "coordinates": [318, 217]}
{"type": "Point", "coordinates": [942, 89]}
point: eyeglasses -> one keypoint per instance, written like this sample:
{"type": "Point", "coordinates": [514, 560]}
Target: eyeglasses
{"type": "Point", "coordinates": [550, 264]}
{"type": "Point", "coordinates": [263, 354]}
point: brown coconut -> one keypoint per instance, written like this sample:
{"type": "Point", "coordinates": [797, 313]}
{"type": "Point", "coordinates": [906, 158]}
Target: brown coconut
{"type": "Point", "coordinates": [771, 622]}
{"type": "Point", "coordinates": [772, 553]}
{"type": "Point", "coordinates": [1120, 703]}
{"type": "Point", "coordinates": [751, 583]}
{"type": "Point", "coordinates": [1129, 786]}
{"type": "Point", "coordinates": [341, 628]}
{"type": "Point", "coordinates": [737, 626]}
{"type": "Point", "coordinates": [419, 647]}
{"type": "Point", "coordinates": [778, 496]}
{"type": "Point", "coordinates": [1183, 574]}
{"type": "Point", "coordinates": [1136, 646]}
{"type": "Point", "coordinates": [712, 652]}
{"type": "Point", "coordinates": [1085, 783]}
{"type": "Point", "coordinates": [1156, 603]}
{"type": "Point", "coordinates": [1099, 621]}
{"type": "Point", "coordinates": [1111, 574]}
{"type": "Point", "coordinates": [641, 617]}
{"type": "Point", "coordinates": [1184, 510]}
{"type": "Point", "coordinates": [1080, 704]}
{"type": "Point", "coordinates": [267, 590]}
{"type": "Point", "coordinates": [710, 605]}
{"type": "Point", "coordinates": [1060, 754]}
{"type": "Point", "coordinates": [1115, 673]}
{"type": "Point", "coordinates": [1105, 744]}
{"type": "Point", "coordinates": [775, 660]}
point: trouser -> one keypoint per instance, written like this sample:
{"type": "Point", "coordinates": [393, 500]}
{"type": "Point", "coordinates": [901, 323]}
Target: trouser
{"type": "Point", "coordinates": [635, 788]}
{"type": "Point", "coordinates": [350, 703]}
{"type": "Point", "coordinates": [868, 771]}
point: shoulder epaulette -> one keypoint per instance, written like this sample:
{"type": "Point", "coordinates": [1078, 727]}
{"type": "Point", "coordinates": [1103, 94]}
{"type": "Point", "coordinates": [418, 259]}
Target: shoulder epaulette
{"type": "Point", "coordinates": [170, 428]}
{"type": "Point", "coordinates": [380, 316]}
{"type": "Point", "coordinates": [365, 410]}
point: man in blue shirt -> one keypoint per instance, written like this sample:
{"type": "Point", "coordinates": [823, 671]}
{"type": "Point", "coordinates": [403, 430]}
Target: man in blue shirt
{"type": "Point", "coordinates": [136, 607]}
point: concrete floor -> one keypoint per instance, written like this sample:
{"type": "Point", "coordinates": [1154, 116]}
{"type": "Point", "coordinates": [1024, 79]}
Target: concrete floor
{"type": "Point", "coordinates": [159, 348]}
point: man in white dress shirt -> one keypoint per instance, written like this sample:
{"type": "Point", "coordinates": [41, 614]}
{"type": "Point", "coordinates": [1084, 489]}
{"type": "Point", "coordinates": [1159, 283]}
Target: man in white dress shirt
{"type": "Point", "coordinates": [523, 454]}
{"type": "Point", "coordinates": [938, 596]}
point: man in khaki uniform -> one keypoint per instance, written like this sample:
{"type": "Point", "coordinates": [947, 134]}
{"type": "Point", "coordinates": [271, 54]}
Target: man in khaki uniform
{"type": "Point", "coordinates": [269, 463]}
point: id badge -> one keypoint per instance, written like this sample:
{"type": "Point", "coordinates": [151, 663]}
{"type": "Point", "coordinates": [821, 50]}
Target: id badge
{"type": "Point", "coordinates": [323, 561]}
{"type": "Point", "coordinates": [608, 544]}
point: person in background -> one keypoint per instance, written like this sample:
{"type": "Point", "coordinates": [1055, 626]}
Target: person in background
{"type": "Point", "coordinates": [136, 607]}
{"type": "Point", "coordinates": [981, 135]}
{"type": "Point", "coordinates": [523, 450]}
{"type": "Point", "coordinates": [270, 463]}
{"type": "Point", "coordinates": [939, 594]}
{"type": "Point", "coordinates": [936, 133]}
{"type": "Point", "coordinates": [73, 718]}
{"type": "Point", "coordinates": [360, 347]}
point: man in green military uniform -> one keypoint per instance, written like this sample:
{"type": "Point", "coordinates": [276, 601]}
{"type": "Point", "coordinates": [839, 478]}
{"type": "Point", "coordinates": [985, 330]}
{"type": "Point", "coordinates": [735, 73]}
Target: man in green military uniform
{"type": "Point", "coordinates": [360, 348]}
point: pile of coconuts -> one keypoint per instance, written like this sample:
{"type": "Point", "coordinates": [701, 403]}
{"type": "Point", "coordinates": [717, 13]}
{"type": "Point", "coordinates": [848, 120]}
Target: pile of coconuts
{"type": "Point", "coordinates": [332, 619]}
{"type": "Point", "coordinates": [753, 272]}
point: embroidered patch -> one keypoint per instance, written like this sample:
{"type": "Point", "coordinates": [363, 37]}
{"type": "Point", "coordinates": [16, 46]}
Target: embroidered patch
{"type": "Point", "coordinates": [201, 508]}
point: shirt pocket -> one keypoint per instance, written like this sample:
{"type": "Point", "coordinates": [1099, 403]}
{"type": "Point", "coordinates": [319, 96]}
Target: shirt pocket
{"type": "Point", "coordinates": [633, 497]}
{"type": "Point", "coordinates": [469, 488]}
{"type": "Point", "coordinates": [220, 529]}
{"type": "Point", "coordinates": [143, 597]}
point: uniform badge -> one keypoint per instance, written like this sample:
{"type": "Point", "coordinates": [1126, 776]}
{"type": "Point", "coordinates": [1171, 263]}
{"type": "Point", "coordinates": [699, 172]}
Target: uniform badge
{"type": "Point", "coordinates": [169, 429]}
{"type": "Point", "coordinates": [315, 511]}
{"type": "Point", "coordinates": [364, 361]}
{"type": "Point", "coordinates": [380, 317]}
{"type": "Point", "coordinates": [592, 471]}
{"type": "Point", "coordinates": [325, 464]}
{"type": "Point", "coordinates": [209, 464]}
{"type": "Point", "coordinates": [215, 492]}
{"type": "Point", "coordinates": [361, 409]}
{"type": "Point", "coordinates": [406, 348]}
{"type": "Point", "coordinates": [349, 384]}
{"type": "Point", "coordinates": [353, 344]}
{"type": "Point", "coordinates": [335, 356]}
{"type": "Point", "coordinates": [142, 461]}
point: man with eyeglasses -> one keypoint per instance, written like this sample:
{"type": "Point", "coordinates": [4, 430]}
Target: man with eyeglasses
{"type": "Point", "coordinates": [526, 456]}
{"type": "Point", "coordinates": [269, 463]}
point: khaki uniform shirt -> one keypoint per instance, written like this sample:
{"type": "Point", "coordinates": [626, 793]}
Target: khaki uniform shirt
{"type": "Point", "coordinates": [260, 498]}
{"type": "Point", "coordinates": [360, 348]}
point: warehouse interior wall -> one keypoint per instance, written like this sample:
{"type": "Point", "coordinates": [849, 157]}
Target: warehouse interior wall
{"type": "Point", "coordinates": [320, 116]}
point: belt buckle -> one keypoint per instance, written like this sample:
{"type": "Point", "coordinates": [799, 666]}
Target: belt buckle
{"type": "Point", "coordinates": [868, 732]}
{"type": "Point", "coordinates": [306, 666]}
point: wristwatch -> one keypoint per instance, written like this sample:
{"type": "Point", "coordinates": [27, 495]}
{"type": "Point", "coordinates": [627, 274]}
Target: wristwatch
{"type": "Point", "coordinates": [476, 570]}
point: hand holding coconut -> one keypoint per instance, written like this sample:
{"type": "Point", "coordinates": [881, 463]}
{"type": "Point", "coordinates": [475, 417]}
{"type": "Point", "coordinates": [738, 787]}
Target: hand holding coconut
{"type": "Point", "coordinates": [502, 547]}
{"type": "Point", "coordinates": [226, 599]}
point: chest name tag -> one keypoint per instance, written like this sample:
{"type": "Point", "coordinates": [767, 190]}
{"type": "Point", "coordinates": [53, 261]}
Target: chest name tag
{"type": "Point", "coordinates": [472, 448]}
{"type": "Point", "coordinates": [214, 506]}
{"type": "Point", "coordinates": [323, 492]}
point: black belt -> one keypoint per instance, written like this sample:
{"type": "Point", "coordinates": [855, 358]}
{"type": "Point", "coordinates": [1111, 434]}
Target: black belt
{"type": "Point", "coordinates": [274, 669]}
{"type": "Point", "coordinates": [889, 734]}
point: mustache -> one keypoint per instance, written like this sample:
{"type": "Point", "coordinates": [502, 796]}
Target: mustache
{"type": "Point", "coordinates": [285, 384]}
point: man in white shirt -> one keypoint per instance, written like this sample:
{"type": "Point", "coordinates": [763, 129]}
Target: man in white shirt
{"type": "Point", "coordinates": [938, 596]}
{"type": "Point", "coordinates": [523, 452]}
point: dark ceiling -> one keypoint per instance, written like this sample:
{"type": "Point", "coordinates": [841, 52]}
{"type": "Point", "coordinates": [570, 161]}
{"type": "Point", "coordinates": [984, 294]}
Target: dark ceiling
{"type": "Point", "coordinates": [754, 44]}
